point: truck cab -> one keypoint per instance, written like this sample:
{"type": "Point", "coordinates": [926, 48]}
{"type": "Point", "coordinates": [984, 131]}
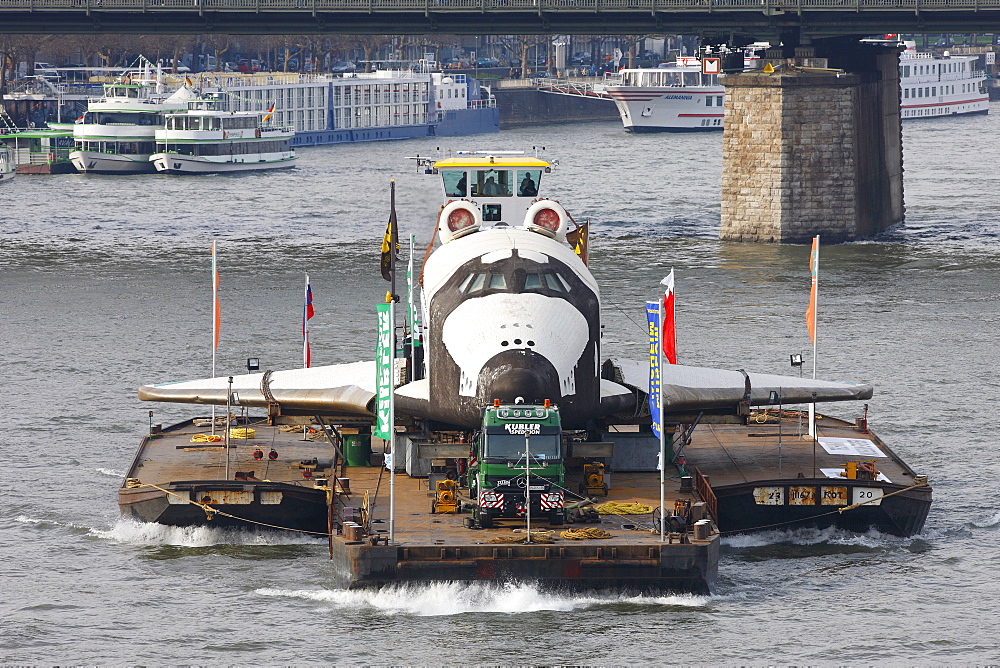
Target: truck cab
{"type": "Point", "coordinates": [517, 460]}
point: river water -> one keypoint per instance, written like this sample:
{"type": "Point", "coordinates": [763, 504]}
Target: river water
{"type": "Point", "coordinates": [105, 285]}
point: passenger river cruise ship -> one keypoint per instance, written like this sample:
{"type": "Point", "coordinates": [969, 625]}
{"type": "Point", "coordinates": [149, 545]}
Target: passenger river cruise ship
{"type": "Point", "coordinates": [679, 98]}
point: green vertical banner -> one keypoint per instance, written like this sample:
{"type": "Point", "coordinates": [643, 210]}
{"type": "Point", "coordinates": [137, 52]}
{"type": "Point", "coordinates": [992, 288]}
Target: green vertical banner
{"type": "Point", "coordinates": [383, 372]}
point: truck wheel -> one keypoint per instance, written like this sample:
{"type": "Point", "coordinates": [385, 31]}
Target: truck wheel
{"type": "Point", "coordinates": [485, 521]}
{"type": "Point", "coordinates": [434, 506]}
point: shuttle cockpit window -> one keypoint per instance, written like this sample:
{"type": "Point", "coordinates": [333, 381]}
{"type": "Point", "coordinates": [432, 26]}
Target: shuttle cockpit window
{"type": "Point", "coordinates": [528, 180]}
{"type": "Point", "coordinates": [455, 183]}
{"type": "Point", "coordinates": [492, 183]}
{"type": "Point", "coordinates": [482, 281]}
{"type": "Point", "coordinates": [546, 281]}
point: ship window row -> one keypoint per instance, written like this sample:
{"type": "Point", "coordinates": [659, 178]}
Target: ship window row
{"type": "Point", "coordinates": [121, 147]}
{"type": "Point", "coordinates": [534, 282]}
{"type": "Point", "coordinates": [230, 148]}
{"type": "Point", "coordinates": [378, 116]}
{"type": "Point", "coordinates": [379, 94]}
{"type": "Point", "coordinates": [713, 100]}
{"type": "Point", "coordinates": [122, 118]}
{"type": "Point", "coordinates": [932, 91]}
{"type": "Point", "coordinates": [937, 68]}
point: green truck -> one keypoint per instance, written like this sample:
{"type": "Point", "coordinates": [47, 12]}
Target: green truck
{"type": "Point", "coordinates": [517, 459]}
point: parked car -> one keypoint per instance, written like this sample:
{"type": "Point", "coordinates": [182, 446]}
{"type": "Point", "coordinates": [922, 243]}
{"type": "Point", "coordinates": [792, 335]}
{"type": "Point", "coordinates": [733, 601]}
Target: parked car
{"type": "Point", "coordinates": [247, 65]}
{"type": "Point", "coordinates": [344, 67]}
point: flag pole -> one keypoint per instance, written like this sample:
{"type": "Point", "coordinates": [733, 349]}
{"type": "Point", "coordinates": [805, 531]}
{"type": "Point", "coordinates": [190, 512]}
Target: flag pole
{"type": "Point", "coordinates": [392, 417]}
{"type": "Point", "coordinates": [663, 436]}
{"type": "Point", "coordinates": [215, 320]}
{"type": "Point", "coordinates": [393, 244]}
{"type": "Point", "coordinates": [813, 299]}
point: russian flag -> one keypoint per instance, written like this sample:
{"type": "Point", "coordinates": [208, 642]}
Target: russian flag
{"type": "Point", "coordinates": [307, 313]}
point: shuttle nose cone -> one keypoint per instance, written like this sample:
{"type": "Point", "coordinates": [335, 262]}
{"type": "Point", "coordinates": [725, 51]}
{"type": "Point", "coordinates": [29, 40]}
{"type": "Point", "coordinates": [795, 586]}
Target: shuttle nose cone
{"type": "Point", "coordinates": [518, 373]}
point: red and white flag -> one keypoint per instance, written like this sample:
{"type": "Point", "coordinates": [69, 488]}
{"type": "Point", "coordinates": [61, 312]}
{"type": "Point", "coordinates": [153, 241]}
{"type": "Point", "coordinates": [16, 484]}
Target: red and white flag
{"type": "Point", "coordinates": [667, 331]}
{"type": "Point", "coordinates": [307, 313]}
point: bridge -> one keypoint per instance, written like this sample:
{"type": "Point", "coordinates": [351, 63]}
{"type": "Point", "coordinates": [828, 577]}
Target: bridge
{"type": "Point", "coordinates": [722, 19]}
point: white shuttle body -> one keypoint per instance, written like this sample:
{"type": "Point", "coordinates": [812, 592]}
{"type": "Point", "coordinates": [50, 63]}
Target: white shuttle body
{"type": "Point", "coordinates": [512, 313]}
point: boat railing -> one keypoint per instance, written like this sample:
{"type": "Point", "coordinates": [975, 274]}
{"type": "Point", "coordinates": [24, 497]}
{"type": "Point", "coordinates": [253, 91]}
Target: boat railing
{"type": "Point", "coordinates": [706, 493]}
{"type": "Point", "coordinates": [483, 104]}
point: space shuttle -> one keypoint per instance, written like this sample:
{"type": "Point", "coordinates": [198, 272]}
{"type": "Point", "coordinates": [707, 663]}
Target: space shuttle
{"type": "Point", "coordinates": [511, 312]}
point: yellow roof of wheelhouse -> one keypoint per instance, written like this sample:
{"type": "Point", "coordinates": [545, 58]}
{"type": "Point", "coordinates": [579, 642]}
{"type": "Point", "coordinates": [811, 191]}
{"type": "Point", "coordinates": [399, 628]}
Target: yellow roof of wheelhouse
{"type": "Point", "coordinates": [500, 161]}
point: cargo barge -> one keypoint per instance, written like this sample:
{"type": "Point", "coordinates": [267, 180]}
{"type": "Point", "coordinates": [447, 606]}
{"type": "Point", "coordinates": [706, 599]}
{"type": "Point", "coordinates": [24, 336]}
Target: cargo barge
{"type": "Point", "coordinates": [324, 485]}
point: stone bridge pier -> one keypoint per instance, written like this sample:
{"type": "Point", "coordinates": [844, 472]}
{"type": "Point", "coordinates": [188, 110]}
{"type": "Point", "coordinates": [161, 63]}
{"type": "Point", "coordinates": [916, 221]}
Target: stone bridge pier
{"type": "Point", "coordinates": [814, 147]}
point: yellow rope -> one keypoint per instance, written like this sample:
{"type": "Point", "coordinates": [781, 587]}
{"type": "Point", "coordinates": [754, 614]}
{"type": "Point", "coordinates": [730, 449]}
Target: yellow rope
{"type": "Point", "coordinates": [206, 438]}
{"type": "Point", "coordinates": [243, 433]}
{"type": "Point", "coordinates": [621, 508]}
{"type": "Point", "coordinates": [584, 534]}
{"type": "Point", "coordinates": [536, 537]}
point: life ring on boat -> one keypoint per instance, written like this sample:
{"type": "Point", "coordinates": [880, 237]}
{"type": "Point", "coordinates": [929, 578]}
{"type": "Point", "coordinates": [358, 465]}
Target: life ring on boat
{"type": "Point", "coordinates": [257, 132]}
{"type": "Point", "coordinates": [547, 217]}
{"type": "Point", "coordinates": [458, 218]}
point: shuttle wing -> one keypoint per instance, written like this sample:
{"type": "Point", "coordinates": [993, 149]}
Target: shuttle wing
{"type": "Point", "coordinates": [337, 388]}
{"type": "Point", "coordinates": [692, 388]}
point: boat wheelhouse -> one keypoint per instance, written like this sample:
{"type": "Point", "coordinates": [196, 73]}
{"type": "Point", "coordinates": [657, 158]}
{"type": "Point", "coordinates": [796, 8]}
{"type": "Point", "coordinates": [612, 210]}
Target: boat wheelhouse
{"type": "Point", "coordinates": [208, 138]}
{"type": "Point", "coordinates": [493, 189]}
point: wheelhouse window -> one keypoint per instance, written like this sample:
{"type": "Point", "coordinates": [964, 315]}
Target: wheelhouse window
{"type": "Point", "coordinates": [492, 183]}
{"type": "Point", "coordinates": [528, 181]}
{"type": "Point", "coordinates": [456, 183]}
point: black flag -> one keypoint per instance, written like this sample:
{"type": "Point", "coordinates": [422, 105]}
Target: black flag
{"type": "Point", "coordinates": [390, 243]}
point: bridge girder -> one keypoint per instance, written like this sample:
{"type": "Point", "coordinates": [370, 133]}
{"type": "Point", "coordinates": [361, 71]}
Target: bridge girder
{"type": "Point", "coordinates": [716, 23]}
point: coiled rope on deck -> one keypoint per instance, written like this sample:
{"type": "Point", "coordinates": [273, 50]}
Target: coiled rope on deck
{"type": "Point", "coordinates": [585, 534]}
{"type": "Point", "coordinates": [206, 438]}
{"type": "Point", "coordinates": [622, 508]}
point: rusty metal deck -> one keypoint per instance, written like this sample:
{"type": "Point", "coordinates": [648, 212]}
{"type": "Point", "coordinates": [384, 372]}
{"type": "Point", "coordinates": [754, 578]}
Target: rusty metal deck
{"type": "Point", "coordinates": [732, 454]}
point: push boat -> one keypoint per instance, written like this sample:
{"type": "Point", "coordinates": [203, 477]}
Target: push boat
{"type": "Point", "coordinates": [209, 138]}
{"type": "Point", "coordinates": [117, 133]}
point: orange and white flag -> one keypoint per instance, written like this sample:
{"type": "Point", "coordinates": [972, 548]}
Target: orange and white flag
{"type": "Point", "coordinates": [814, 271]}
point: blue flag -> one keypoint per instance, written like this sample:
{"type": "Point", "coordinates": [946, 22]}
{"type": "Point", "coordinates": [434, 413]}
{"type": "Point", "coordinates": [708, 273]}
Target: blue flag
{"type": "Point", "coordinates": [653, 317]}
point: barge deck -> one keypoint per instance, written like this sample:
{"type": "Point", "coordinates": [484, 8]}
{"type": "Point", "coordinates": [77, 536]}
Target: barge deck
{"type": "Point", "coordinates": [175, 480]}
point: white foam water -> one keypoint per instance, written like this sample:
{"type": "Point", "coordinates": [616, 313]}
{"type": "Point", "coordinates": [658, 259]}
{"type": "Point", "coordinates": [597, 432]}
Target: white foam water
{"type": "Point", "coordinates": [806, 536]}
{"type": "Point", "coordinates": [112, 473]}
{"type": "Point", "coordinates": [456, 598]}
{"type": "Point", "coordinates": [133, 532]}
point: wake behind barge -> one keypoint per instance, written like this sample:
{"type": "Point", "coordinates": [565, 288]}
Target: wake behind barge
{"type": "Point", "coordinates": [309, 487]}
